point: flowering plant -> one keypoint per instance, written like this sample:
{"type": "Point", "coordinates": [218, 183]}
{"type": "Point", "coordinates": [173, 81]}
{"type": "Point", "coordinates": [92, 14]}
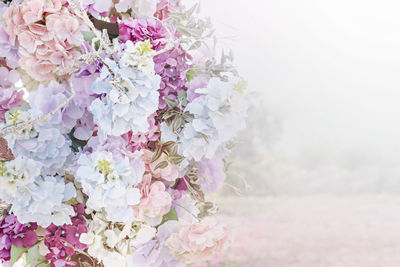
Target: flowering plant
{"type": "Point", "coordinates": [115, 118]}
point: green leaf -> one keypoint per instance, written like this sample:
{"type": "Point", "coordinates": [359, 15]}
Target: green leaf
{"type": "Point", "coordinates": [171, 103]}
{"type": "Point", "coordinates": [170, 216]}
{"type": "Point", "coordinates": [88, 36]}
{"type": "Point", "coordinates": [182, 97]}
{"type": "Point", "coordinates": [34, 259]}
{"type": "Point", "coordinates": [76, 144]}
{"type": "Point", "coordinates": [190, 73]}
{"type": "Point", "coordinates": [16, 253]}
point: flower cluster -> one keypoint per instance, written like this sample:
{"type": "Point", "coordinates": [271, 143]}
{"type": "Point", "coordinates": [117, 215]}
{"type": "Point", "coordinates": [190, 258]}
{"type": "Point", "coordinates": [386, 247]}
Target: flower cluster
{"type": "Point", "coordinates": [61, 240]}
{"type": "Point", "coordinates": [13, 233]}
{"type": "Point", "coordinates": [107, 158]}
{"type": "Point", "coordinates": [48, 36]}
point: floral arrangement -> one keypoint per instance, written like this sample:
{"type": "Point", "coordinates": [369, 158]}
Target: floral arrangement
{"type": "Point", "coordinates": [115, 120]}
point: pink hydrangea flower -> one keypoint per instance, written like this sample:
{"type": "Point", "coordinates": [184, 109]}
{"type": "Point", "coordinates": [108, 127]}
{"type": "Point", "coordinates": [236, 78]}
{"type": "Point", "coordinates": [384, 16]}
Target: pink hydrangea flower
{"type": "Point", "coordinates": [166, 6]}
{"type": "Point", "coordinates": [46, 49]}
{"type": "Point", "coordinates": [140, 140]}
{"type": "Point", "coordinates": [32, 11]}
{"type": "Point", "coordinates": [169, 173]}
{"type": "Point", "coordinates": [66, 28]}
{"type": "Point", "coordinates": [13, 22]}
{"type": "Point", "coordinates": [138, 30]}
{"type": "Point", "coordinates": [198, 242]}
{"type": "Point", "coordinates": [156, 204]}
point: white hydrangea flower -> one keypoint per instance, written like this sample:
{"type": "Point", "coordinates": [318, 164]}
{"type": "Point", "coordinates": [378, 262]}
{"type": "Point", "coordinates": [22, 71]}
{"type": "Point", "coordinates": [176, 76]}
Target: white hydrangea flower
{"type": "Point", "coordinates": [17, 116]}
{"type": "Point", "coordinates": [43, 201]}
{"type": "Point", "coordinates": [141, 8]}
{"type": "Point", "coordinates": [127, 103]}
{"type": "Point", "coordinates": [109, 184]}
{"type": "Point", "coordinates": [18, 173]}
{"type": "Point", "coordinates": [119, 239]}
{"type": "Point", "coordinates": [219, 114]}
{"type": "Point", "coordinates": [139, 55]}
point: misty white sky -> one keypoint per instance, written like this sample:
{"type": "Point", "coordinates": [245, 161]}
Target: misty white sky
{"type": "Point", "coordinates": [329, 72]}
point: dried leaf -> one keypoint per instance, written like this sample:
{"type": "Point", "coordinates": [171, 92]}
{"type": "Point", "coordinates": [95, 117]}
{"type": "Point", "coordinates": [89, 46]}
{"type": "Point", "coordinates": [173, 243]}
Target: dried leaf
{"type": "Point", "coordinates": [171, 103]}
{"type": "Point", "coordinates": [177, 159]}
{"type": "Point", "coordinates": [157, 154]}
{"type": "Point", "coordinates": [168, 145]}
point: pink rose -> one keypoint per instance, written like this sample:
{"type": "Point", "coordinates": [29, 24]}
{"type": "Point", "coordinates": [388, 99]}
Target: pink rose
{"type": "Point", "coordinates": [198, 242]}
{"type": "Point", "coordinates": [156, 204]}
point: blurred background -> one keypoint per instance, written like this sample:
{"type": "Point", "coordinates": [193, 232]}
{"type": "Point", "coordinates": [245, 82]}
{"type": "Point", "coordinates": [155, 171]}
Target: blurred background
{"type": "Point", "coordinates": [315, 179]}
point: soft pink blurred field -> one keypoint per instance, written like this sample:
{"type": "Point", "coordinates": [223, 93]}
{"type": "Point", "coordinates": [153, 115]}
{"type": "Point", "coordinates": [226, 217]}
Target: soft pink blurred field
{"type": "Point", "coordinates": [314, 231]}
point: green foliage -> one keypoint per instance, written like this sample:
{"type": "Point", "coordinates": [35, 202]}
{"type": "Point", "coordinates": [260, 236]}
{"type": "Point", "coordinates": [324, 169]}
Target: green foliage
{"type": "Point", "coordinates": [88, 36]}
{"type": "Point", "coordinates": [16, 253]}
{"type": "Point", "coordinates": [190, 74]}
{"type": "Point", "coordinates": [33, 258]}
{"type": "Point", "coordinates": [76, 143]}
{"type": "Point", "coordinates": [170, 216]}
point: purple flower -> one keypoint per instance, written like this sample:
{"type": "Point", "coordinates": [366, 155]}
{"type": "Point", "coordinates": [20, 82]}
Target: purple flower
{"type": "Point", "coordinates": [14, 233]}
{"type": "Point", "coordinates": [10, 97]}
{"type": "Point", "coordinates": [139, 30]}
{"type": "Point", "coordinates": [171, 66]}
{"type": "Point", "coordinates": [7, 51]}
{"type": "Point", "coordinates": [211, 174]}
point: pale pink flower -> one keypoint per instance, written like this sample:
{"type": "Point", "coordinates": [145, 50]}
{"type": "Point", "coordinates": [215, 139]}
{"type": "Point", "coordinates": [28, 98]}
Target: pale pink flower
{"type": "Point", "coordinates": [40, 70]}
{"type": "Point", "coordinates": [53, 6]}
{"type": "Point", "coordinates": [8, 77]}
{"type": "Point", "coordinates": [169, 173]}
{"type": "Point", "coordinates": [156, 204]}
{"type": "Point", "coordinates": [13, 22]}
{"type": "Point", "coordinates": [198, 242]}
{"type": "Point", "coordinates": [66, 28]}
{"type": "Point", "coordinates": [32, 11]}
{"type": "Point", "coordinates": [29, 41]}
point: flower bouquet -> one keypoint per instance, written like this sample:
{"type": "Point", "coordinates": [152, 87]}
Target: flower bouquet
{"type": "Point", "coordinates": [115, 120]}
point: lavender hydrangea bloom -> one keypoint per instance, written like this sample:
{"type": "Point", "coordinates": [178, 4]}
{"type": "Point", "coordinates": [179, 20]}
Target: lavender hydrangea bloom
{"type": "Point", "coordinates": [126, 107]}
{"type": "Point", "coordinates": [42, 201]}
{"type": "Point", "coordinates": [47, 98]}
{"type": "Point", "coordinates": [154, 253]}
{"type": "Point", "coordinates": [50, 147]}
{"type": "Point", "coordinates": [211, 174]}
{"type": "Point", "coordinates": [7, 51]}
